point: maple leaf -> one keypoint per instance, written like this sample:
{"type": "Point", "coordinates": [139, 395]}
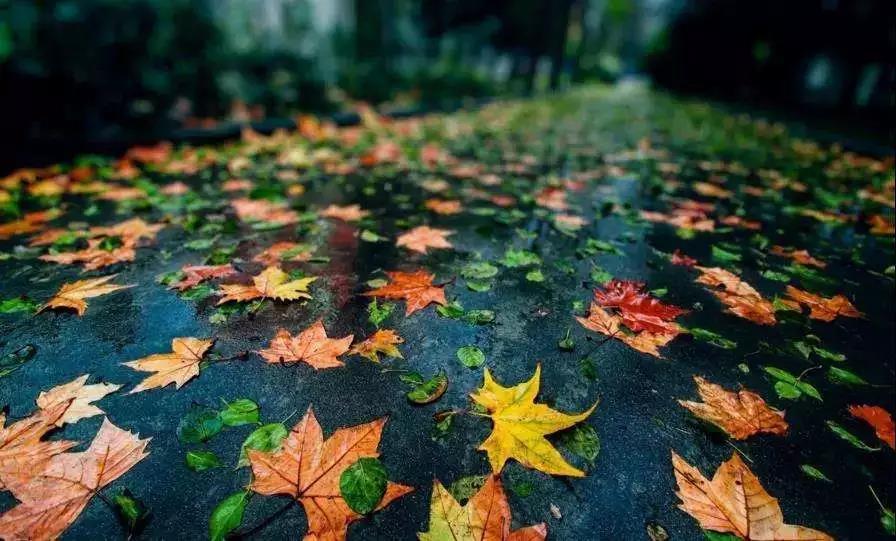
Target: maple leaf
{"type": "Point", "coordinates": [196, 274]}
{"type": "Point", "coordinates": [276, 252]}
{"type": "Point", "coordinates": [94, 256]}
{"type": "Point", "coordinates": [29, 223]}
{"type": "Point", "coordinates": [879, 419]}
{"type": "Point", "coordinates": [21, 448]}
{"type": "Point", "coordinates": [311, 346]}
{"type": "Point", "coordinates": [177, 367]}
{"type": "Point", "coordinates": [800, 256]}
{"type": "Point", "coordinates": [271, 283]}
{"type": "Point", "coordinates": [735, 502]}
{"type": "Point", "coordinates": [308, 469]}
{"type": "Point", "coordinates": [739, 296]}
{"type": "Point", "coordinates": [485, 517]}
{"type": "Point", "coordinates": [443, 206]}
{"type": "Point", "coordinates": [130, 231]}
{"type": "Point", "coordinates": [72, 295]}
{"type": "Point", "coordinates": [639, 311]}
{"type": "Point", "coordinates": [739, 414]}
{"type": "Point", "coordinates": [54, 497]}
{"type": "Point", "coordinates": [821, 308]}
{"type": "Point", "coordinates": [262, 210]}
{"type": "Point", "coordinates": [414, 287]}
{"type": "Point", "coordinates": [348, 213]}
{"type": "Point", "coordinates": [382, 341]}
{"type": "Point", "coordinates": [601, 321]}
{"type": "Point", "coordinates": [423, 237]}
{"type": "Point", "coordinates": [77, 396]}
{"type": "Point", "coordinates": [679, 258]}
{"type": "Point", "coordinates": [520, 426]}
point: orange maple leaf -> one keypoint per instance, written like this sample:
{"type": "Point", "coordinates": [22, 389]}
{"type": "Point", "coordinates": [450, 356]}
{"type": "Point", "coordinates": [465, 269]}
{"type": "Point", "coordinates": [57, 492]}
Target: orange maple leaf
{"type": "Point", "coordinates": [130, 231]}
{"type": "Point", "coordinates": [311, 346]}
{"type": "Point", "coordinates": [262, 210]}
{"type": "Point", "coordinates": [443, 206]}
{"type": "Point", "coordinates": [21, 448]}
{"type": "Point", "coordinates": [414, 287]}
{"type": "Point", "coordinates": [53, 498]}
{"type": "Point", "coordinates": [382, 341]}
{"type": "Point", "coordinates": [800, 256]}
{"type": "Point", "coordinates": [177, 367]}
{"type": "Point", "coordinates": [275, 253]}
{"type": "Point", "coordinates": [94, 256]}
{"type": "Point", "coordinates": [603, 322]}
{"type": "Point", "coordinates": [271, 283]}
{"type": "Point", "coordinates": [821, 308]}
{"type": "Point", "coordinates": [735, 502]}
{"type": "Point", "coordinates": [308, 469]}
{"type": "Point", "coordinates": [196, 274]}
{"type": "Point", "coordinates": [739, 296]}
{"type": "Point", "coordinates": [739, 414]}
{"type": "Point", "coordinates": [72, 295]}
{"type": "Point", "coordinates": [421, 238]}
{"type": "Point", "coordinates": [879, 419]}
{"type": "Point", "coordinates": [348, 213]}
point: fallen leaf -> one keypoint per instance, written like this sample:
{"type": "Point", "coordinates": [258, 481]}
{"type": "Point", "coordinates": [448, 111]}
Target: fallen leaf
{"type": "Point", "coordinates": [348, 213]}
{"type": "Point", "coordinates": [799, 256]}
{"type": "Point", "coordinates": [279, 251]}
{"type": "Point", "coordinates": [879, 419]}
{"type": "Point", "coordinates": [739, 296]}
{"type": "Point", "coordinates": [22, 449]}
{"type": "Point", "coordinates": [271, 283]}
{"type": "Point", "coordinates": [739, 414]}
{"type": "Point", "coordinates": [601, 321]}
{"type": "Point", "coordinates": [735, 502]}
{"type": "Point", "coordinates": [308, 469]}
{"type": "Point", "coordinates": [72, 295]}
{"type": "Point", "coordinates": [485, 517]}
{"type": "Point", "coordinates": [177, 367]}
{"type": "Point", "coordinates": [196, 274]}
{"type": "Point", "coordinates": [382, 341]}
{"type": "Point", "coordinates": [423, 237]}
{"type": "Point", "coordinates": [821, 308]}
{"type": "Point", "coordinates": [414, 287]}
{"type": "Point", "coordinates": [94, 256]}
{"type": "Point", "coordinates": [54, 497]}
{"type": "Point", "coordinates": [520, 426]}
{"type": "Point", "coordinates": [310, 346]}
{"type": "Point", "coordinates": [443, 206]}
{"type": "Point", "coordinates": [262, 210]}
{"type": "Point", "coordinates": [78, 397]}
{"type": "Point", "coordinates": [639, 310]}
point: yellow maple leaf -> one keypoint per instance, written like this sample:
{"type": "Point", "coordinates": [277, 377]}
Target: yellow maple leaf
{"type": "Point", "coordinates": [177, 367]}
{"type": "Point", "coordinates": [271, 283]}
{"type": "Point", "coordinates": [72, 295]}
{"type": "Point", "coordinates": [521, 426]}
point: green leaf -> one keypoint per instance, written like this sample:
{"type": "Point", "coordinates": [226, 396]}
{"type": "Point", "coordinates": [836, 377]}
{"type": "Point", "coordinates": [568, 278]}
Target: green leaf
{"type": "Point", "coordinates": [201, 460]}
{"type": "Point", "coordinates": [535, 275]}
{"type": "Point", "coordinates": [581, 441]}
{"type": "Point", "coordinates": [227, 516]}
{"type": "Point", "coordinates": [479, 317]}
{"type": "Point", "coordinates": [265, 438]}
{"type": "Point", "coordinates": [199, 425]}
{"type": "Point", "coordinates": [464, 488]}
{"type": "Point", "coordinates": [478, 285]}
{"type": "Point", "coordinates": [240, 412]}
{"type": "Point", "coordinates": [848, 436]}
{"type": "Point", "coordinates": [378, 313]}
{"type": "Point", "coordinates": [18, 304]}
{"type": "Point", "coordinates": [815, 473]}
{"type": "Point", "coordinates": [713, 338]}
{"type": "Point", "coordinates": [363, 484]}
{"type": "Point", "coordinates": [471, 356]}
{"type": "Point", "coordinates": [844, 377]}
{"type": "Point", "coordinates": [452, 310]}
{"type": "Point", "coordinates": [198, 293]}
{"type": "Point", "coordinates": [600, 276]}
{"type": "Point", "coordinates": [888, 521]}
{"type": "Point", "coordinates": [131, 512]}
{"type": "Point", "coordinates": [13, 360]}
{"type": "Point", "coordinates": [566, 343]}
{"type": "Point", "coordinates": [370, 236]}
{"type": "Point", "coordinates": [720, 254]}
{"type": "Point", "coordinates": [828, 355]}
{"type": "Point", "coordinates": [787, 391]}
{"type": "Point", "coordinates": [719, 536]}
{"type": "Point", "coordinates": [776, 276]}
{"type": "Point", "coordinates": [790, 387]}
{"type": "Point", "coordinates": [479, 270]}
{"type": "Point", "coordinates": [429, 391]}
{"type": "Point", "coordinates": [520, 258]}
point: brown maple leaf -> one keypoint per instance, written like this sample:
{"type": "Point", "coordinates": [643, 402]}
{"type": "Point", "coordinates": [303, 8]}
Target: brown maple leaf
{"type": "Point", "coordinates": [177, 367]}
{"type": "Point", "coordinates": [415, 288]}
{"type": "Point", "coordinates": [603, 322]}
{"type": "Point", "coordinates": [382, 341]}
{"type": "Point", "coordinates": [72, 295]}
{"type": "Point", "coordinates": [77, 396]}
{"type": "Point", "coordinates": [739, 296]}
{"type": "Point", "coordinates": [739, 414]}
{"type": "Point", "coordinates": [821, 308]}
{"type": "Point", "coordinates": [311, 346]}
{"type": "Point", "coordinates": [308, 468]}
{"type": "Point", "coordinates": [735, 502]}
{"type": "Point", "coordinates": [421, 238]}
{"type": "Point", "coordinates": [271, 283]}
{"type": "Point", "coordinates": [879, 419]}
{"type": "Point", "coordinates": [130, 231]}
{"type": "Point", "coordinates": [348, 213]}
{"type": "Point", "coordinates": [22, 449]}
{"type": "Point", "coordinates": [196, 274]}
{"type": "Point", "coordinates": [54, 497]}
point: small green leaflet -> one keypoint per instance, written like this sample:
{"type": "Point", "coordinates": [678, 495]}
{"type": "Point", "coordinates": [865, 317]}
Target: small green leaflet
{"type": "Point", "coordinates": [848, 436]}
{"type": "Point", "coordinates": [566, 343]}
{"type": "Point", "coordinates": [363, 484]}
{"type": "Point", "coordinates": [844, 377]}
{"type": "Point", "coordinates": [599, 275]}
{"type": "Point", "coordinates": [471, 356]}
{"type": "Point", "coordinates": [265, 438]}
{"type": "Point", "coordinates": [712, 338]}
{"type": "Point", "coordinates": [227, 516]}
{"type": "Point", "coordinates": [426, 392]}
{"type": "Point", "coordinates": [18, 304]}
{"type": "Point", "coordinates": [201, 460]}
{"type": "Point", "coordinates": [464, 488]}
{"type": "Point", "coordinates": [790, 387]}
{"type": "Point", "coordinates": [520, 258]}
{"type": "Point", "coordinates": [378, 313]}
{"type": "Point", "coordinates": [535, 275]}
{"type": "Point", "coordinates": [199, 425]}
{"type": "Point", "coordinates": [240, 412]}
{"type": "Point", "coordinates": [131, 512]}
{"type": "Point", "coordinates": [814, 473]}
{"type": "Point", "coordinates": [479, 270]}
{"type": "Point", "coordinates": [723, 255]}
{"type": "Point", "coordinates": [581, 441]}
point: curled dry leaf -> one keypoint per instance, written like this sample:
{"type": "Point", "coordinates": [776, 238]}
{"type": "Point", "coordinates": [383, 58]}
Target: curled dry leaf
{"type": "Point", "coordinates": [735, 502]}
{"type": "Point", "coordinates": [485, 517]}
{"type": "Point", "coordinates": [415, 288]}
{"type": "Point", "coordinates": [740, 297]}
{"type": "Point", "coordinates": [72, 295]}
{"type": "Point", "coordinates": [739, 414]}
{"type": "Point", "coordinates": [821, 308]}
{"type": "Point", "coordinates": [311, 346]}
{"type": "Point", "coordinates": [271, 283]}
{"type": "Point", "coordinates": [177, 367]}
{"type": "Point", "coordinates": [196, 274]}
{"type": "Point", "coordinates": [423, 237]}
{"type": "Point", "coordinates": [307, 468]}
{"type": "Point", "coordinates": [382, 341]}
{"type": "Point", "coordinates": [78, 396]}
{"type": "Point", "coordinates": [54, 497]}
{"type": "Point", "coordinates": [520, 426]}
{"type": "Point", "coordinates": [879, 419]}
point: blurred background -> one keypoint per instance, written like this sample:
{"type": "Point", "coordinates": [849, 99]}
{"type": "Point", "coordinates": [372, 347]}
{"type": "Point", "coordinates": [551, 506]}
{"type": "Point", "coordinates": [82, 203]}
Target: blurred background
{"type": "Point", "coordinates": [100, 75]}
